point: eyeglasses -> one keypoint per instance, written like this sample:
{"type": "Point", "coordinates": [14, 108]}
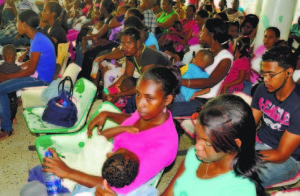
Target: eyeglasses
{"type": "Point", "coordinates": [270, 76]}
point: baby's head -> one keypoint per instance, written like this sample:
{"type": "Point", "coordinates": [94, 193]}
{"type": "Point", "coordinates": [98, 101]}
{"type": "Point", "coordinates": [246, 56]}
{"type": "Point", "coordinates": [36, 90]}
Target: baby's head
{"type": "Point", "coordinates": [177, 26]}
{"type": "Point", "coordinates": [127, 83]}
{"type": "Point", "coordinates": [9, 53]}
{"type": "Point", "coordinates": [120, 168]}
{"type": "Point", "coordinates": [122, 10]}
{"type": "Point", "coordinates": [203, 58]}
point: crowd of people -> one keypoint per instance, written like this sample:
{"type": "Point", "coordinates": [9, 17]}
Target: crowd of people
{"type": "Point", "coordinates": [159, 60]}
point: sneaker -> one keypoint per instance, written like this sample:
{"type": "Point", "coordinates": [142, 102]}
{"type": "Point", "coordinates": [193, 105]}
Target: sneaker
{"type": "Point", "coordinates": [5, 134]}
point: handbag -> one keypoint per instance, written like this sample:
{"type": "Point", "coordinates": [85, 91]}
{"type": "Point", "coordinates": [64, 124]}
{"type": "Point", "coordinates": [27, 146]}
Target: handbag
{"type": "Point", "coordinates": [60, 110]}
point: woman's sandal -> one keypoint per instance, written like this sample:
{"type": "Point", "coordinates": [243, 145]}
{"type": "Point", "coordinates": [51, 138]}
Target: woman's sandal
{"type": "Point", "coordinates": [5, 134]}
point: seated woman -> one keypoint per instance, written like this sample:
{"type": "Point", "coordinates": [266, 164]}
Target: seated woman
{"type": "Point", "coordinates": [149, 132]}
{"type": "Point", "coordinates": [85, 60]}
{"type": "Point", "coordinates": [137, 56]}
{"type": "Point", "coordinates": [56, 18]}
{"type": "Point", "coordinates": [224, 160]}
{"type": "Point", "coordinates": [233, 13]}
{"type": "Point", "coordinates": [38, 71]}
{"type": "Point", "coordinates": [215, 36]}
{"type": "Point", "coordinates": [191, 41]}
{"type": "Point", "coordinates": [113, 71]}
{"type": "Point", "coordinates": [165, 19]}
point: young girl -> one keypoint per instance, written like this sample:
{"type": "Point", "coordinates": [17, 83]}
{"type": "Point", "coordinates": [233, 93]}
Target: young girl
{"type": "Point", "coordinates": [223, 161]}
{"type": "Point", "coordinates": [240, 67]}
{"type": "Point", "coordinates": [149, 132]}
{"type": "Point", "coordinates": [233, 32]}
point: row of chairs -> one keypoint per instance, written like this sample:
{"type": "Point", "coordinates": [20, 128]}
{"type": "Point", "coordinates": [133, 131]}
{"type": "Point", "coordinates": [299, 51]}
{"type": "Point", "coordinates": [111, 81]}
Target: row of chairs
{"type": "Point", "coordinates": [66, 141]}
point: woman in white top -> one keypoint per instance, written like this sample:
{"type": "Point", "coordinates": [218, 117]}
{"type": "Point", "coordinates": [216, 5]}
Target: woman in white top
{"type": "Point", "coordinates": [215, 36]}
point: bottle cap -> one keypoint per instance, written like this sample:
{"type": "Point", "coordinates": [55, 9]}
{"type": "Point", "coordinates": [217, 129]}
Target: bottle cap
{"type": "Point", "coordinates": [105, 90]}
{"type": "Point", "coordinates": [48, 154]}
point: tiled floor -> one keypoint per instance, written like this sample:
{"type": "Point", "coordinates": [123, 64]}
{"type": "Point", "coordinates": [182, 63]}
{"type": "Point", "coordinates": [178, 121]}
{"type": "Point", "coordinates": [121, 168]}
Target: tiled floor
{"type": "Point", "coordinates": [16, 159]}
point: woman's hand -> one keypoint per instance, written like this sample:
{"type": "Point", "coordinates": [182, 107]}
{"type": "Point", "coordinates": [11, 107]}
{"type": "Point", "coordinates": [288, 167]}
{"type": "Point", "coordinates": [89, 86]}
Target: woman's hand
{"type": "Point", "coordinates": [106, 191]}
{"type": "Point", "coordinates": [99, 59]}
{"type": "Point", "coordinates": [99, 121]}
{"type": "Point", "coordinates": [55, 165]}
{"type": "Point", "coordinates": [193, 97]}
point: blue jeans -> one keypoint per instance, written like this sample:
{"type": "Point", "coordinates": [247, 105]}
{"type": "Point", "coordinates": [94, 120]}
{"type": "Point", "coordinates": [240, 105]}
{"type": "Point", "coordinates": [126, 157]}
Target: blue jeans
{"type": "Point", "coordinates": [247, 88]}
{"type": "Point", "coordinates": [274, 173]}
{"type": "Point", "coordinates": [186, 108]}
{"type": "Point", "coordinates": [11, 86]}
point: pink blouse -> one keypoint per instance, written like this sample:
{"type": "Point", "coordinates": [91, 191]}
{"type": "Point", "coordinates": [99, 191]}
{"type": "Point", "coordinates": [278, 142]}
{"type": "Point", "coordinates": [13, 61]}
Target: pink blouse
{"type": "Point", "coordinates": [156, 149]}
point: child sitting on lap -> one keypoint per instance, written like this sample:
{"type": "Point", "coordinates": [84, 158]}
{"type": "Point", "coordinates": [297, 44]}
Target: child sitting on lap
{"type": "Point", "coordinates": [193, 70]}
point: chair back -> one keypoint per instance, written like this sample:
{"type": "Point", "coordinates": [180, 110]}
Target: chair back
{"type": "Point", "coordinates": [83, 96]}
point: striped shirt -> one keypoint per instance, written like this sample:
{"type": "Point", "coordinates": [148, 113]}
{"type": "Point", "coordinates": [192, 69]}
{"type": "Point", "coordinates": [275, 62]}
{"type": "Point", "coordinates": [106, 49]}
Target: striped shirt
{"type": "Point", "coordinates": [8, 68]}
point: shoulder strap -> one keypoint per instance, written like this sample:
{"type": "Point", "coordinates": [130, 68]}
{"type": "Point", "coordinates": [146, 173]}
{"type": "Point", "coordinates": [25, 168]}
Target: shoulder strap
{"type": "Point", "coordinates": [62, 82]}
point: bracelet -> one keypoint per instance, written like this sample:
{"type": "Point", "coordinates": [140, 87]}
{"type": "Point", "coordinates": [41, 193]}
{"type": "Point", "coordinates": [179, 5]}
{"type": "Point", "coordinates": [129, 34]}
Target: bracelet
{"type": "Point", "coordinates": [188, 83]}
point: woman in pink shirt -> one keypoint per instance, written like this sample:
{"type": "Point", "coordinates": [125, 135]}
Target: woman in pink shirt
{"type": "Point", "coordinates": [149, 132]}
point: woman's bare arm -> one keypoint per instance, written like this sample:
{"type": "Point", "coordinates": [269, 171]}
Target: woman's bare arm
{"type": "Point", "coordinates": [169, 189]}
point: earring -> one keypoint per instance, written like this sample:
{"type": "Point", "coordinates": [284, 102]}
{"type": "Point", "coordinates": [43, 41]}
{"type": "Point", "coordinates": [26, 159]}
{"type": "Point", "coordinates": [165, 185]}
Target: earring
{"type": "Point", "coordinates": [165, 110]}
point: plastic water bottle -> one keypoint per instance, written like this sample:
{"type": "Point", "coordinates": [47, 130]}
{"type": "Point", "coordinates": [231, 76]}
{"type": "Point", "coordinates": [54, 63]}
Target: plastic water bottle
{"type": "Point", "coordinates": [94, 70]}
{"type": "Point", "coordinates": [53, 182]}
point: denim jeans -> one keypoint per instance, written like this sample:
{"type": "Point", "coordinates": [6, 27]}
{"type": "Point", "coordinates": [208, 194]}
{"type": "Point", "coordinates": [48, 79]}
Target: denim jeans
{"type": "Point", "coordinates": [274, 173]}
{"type": "Point", "coordinates": [247, 88]}
{"type": "Point", "coordinates": [11, 86]}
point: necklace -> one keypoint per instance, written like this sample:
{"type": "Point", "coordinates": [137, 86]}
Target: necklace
{"type": "Point", "coordinates": [137, 61]}
{"type": "Point", "coordinates": [206, 176]}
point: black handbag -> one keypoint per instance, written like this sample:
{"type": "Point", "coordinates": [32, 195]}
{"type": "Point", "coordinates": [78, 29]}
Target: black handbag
{"type": "Point", "coordinates": [60, 110]}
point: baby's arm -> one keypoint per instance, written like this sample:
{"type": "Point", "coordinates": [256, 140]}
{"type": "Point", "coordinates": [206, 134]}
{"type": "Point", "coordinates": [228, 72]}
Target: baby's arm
{"type": "Point", "coordinates": [200, 92]}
